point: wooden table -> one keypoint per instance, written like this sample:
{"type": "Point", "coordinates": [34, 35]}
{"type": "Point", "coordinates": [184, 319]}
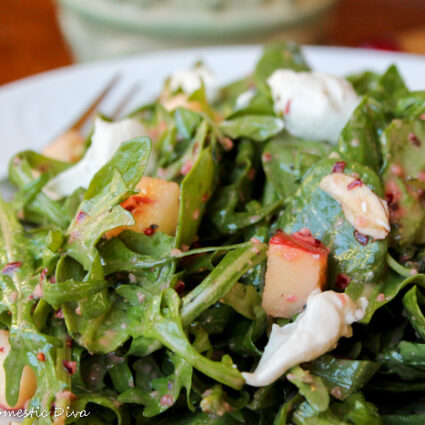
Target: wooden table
{"type": "Point", "coordinates": [30, 40]}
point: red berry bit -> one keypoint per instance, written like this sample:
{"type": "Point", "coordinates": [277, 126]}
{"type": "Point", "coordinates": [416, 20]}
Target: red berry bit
{"type": "Point", "coordinates": [342, 281]}
{"type": "Point", "coordinates": [149, 231]}
{"type": "Point", "coordinates": [355, 183]}
{"type": "Point", "coordinates": [167, 400]}
{"type": "Point", "coordinates": [414, 141]}
{"type": "Point", "coordinates": [59, 314]}
{"type": "Point", "coordinates": [339, 167]}
{"type": "Point", "coordinates": [71, 367]}
{"type": "Point", "coordinates": [80, 216]}
{"type": "Point", "coordinates": [43, 275]}
{"type": "Point", "coordinates": [41, 357]}
{"type": "Point", "coordinates": [267, 157]}
{"type": "Point", "coordinates": [68, 342]}
{"type": "Point", "coordinates": [11, 267]}
{"type": "Point", "coordinates": [179, 287]}
{"type": "Point", "coordinates": [361, 238]}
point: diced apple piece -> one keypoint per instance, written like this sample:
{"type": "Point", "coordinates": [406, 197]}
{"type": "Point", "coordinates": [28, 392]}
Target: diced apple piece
{"type": "Point", "coordinates": [296, 266]}
{"type": "Point", "coordinates": [156, 206]}
{"type": "Point", "coordinates": [28, 381]}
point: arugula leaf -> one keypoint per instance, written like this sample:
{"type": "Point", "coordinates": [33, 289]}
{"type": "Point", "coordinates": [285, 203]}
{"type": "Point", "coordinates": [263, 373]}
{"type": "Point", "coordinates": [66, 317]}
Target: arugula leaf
{"type": "Point", "coordinates": [161, 321]}
{"type": "Point", "coordinates": [39, 208]}
{"type": "Point", "coordinates": [221, 280]}
{"type": "Point", "coordinates": [18, 283]}
{"type": "Point", "coordinates": [99, 211]}
{"type": "Point", "coordinates": [164, 391]}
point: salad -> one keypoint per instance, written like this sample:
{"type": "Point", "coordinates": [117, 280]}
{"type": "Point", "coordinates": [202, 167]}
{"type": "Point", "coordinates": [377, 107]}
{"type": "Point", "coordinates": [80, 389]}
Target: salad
{"type": "Point", "coordinates": [247, 254]}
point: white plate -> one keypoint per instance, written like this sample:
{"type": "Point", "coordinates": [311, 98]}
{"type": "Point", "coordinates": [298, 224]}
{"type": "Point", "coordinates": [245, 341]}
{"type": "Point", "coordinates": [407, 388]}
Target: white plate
{"type": "Point", "coordinates": [35, 110]}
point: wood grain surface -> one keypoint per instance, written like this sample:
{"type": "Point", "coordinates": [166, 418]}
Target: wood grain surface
{"type": "Point", "coordinates": [31, 42]}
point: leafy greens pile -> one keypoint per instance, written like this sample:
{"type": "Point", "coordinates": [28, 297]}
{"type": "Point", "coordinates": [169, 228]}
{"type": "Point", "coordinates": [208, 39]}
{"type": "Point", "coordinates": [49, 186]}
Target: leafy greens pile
{"type": "Point", "coordinates": [155, 328]}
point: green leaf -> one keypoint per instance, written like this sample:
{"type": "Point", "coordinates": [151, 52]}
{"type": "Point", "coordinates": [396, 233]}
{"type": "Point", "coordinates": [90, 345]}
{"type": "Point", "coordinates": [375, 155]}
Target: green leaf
{"type": "Point", "coordinates": [40, 208]}
{"type": "Point", "coordinates": [162, 322]}
{"type": "Point", "coordinates": [381, 291]}
{"type": "Point", "coordinates": [221, 280]}
{"type": "Point", "coordinates": [163, 392]}
{"type": "Point", "coordinates": [243, 298]}
{"type": "Point", "coordinates": [311, 387]}
{"type": "Point", "coordinates": [411, 105]}
{"type": "Point", "coordinates": [359, 140]}
{"type": "Point", "coordinates": [279, 55]}
{"type": "Point", "coordinates": [17, 284]}
{"type": "Point", "coordinates": [314, 209]}
{"type": "Point", "coordinates": [354, 411]}
{"type": "Point", "coordinates": [414, 312]}
{"type": "Point", "coordinates": [404, 147]}
{"type": "Point", "coordinates": [196, 187]}
{"type": "Point", "coordinates": [255, 127]}
{"type": "Point", "coordinates": [100, 211]}
{"type": "Point", "coordinates": [343, 377]}
{"type": "Point", "coordinates": [287, 158]}
{"type": "Point", "coordinates": [407, 360]}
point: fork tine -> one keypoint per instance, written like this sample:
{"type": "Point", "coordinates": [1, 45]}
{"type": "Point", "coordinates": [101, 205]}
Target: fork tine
{"type": "Point", "coordinates": [125, 100]}
{"type": "Point", "coordinates": [93, 106]}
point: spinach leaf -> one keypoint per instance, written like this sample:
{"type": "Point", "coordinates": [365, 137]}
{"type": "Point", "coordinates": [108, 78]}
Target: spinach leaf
{"type": "Point", "coordinates": [404, 147]}
{"type": "Point", "coordinates": [196, 188]}
{"type": "Point", "coordinates": [411, 105]}
{"type": "Point", "coordinates": [343, 377]}
{"type": "Point", "coordinates": [311, 387]}
{"type": "Point", "coordinates": [287, 158]}
{"type": "Point", "coordinates": [359, 139]}
{"type": "Point", "coordinates": [276, 56]}
{"type": "Point", "coordinates": [314, 209]}
{"type": "Point", "coordinates": [255, 127]}
{"type": "Point", "coordinates": [414, 312]}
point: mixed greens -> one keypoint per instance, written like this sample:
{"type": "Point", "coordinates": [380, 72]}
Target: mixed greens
{"type": "Point", "coordinates": [156, 328]}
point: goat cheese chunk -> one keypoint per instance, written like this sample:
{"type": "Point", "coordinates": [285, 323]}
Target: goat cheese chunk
{"type": "Point", "coordinates": [365, 211]}
{"type": "Point", "coordinates": [190, 80]}
{"type": "Point", "coordinates": [107, 138]}
{"type": "Point", "coordinates": [315, 106]}
{"type": "Point", "coordinates": [327, 317]}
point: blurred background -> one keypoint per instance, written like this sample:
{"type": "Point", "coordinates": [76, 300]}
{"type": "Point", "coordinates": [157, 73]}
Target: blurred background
{"type": "Point", "coordinates": [39, 35]}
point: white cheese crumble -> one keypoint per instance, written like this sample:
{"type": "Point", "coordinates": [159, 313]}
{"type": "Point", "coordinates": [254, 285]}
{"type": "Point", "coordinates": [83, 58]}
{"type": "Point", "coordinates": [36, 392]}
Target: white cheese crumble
{"type": "Point", "coordinates": [244, 99]}
{"type": "Point", "coordinates": [190, 80]}
{"type": "Point", "coordinates": [107, 138]}
{"type": "Point", "coordinates": [316, 106]}
{"type": "Point", "coordinates": [316, 330]}
{"type": "Point", "coordinates": [365, 211]}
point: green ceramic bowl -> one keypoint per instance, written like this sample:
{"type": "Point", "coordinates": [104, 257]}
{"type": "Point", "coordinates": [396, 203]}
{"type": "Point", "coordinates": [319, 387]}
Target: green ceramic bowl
{"type": "Point", "coordinates": [104, 28]}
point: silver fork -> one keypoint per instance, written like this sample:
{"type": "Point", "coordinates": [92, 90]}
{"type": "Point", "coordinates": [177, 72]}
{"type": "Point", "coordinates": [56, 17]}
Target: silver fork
{"type": "Point", "coordinates": [69, 146]}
